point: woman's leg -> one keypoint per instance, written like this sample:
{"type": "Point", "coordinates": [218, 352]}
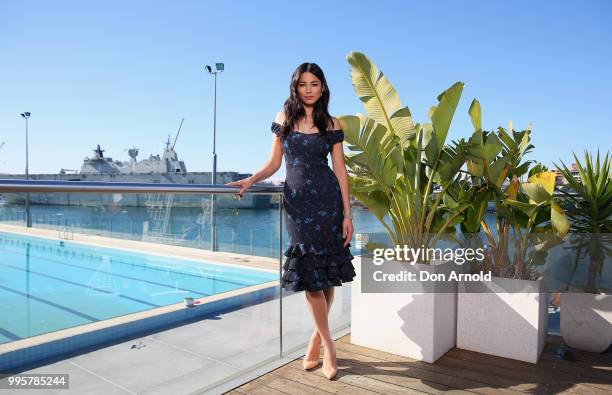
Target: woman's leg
{"type": "Point", "coordinates": [318, 307]}
{"type": "Point", "coordinates": [314, 346]}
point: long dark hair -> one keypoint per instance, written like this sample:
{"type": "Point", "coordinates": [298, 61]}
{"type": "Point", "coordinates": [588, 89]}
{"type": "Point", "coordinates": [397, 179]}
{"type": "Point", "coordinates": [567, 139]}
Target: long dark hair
{"type": "Point", "coordinates": [293, 107]}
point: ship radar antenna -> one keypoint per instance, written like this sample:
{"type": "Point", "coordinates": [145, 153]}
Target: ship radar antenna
{"type": "Point", "coordinates": [99, 152]}
{"type": "Point", "coordinates": [133, 153]}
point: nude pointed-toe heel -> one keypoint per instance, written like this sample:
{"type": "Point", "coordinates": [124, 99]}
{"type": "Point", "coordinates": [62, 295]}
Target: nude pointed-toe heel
{"type": "Point", "coordinates": [308, 364]}
{"type": "Point", "coordinates": [328, 371]}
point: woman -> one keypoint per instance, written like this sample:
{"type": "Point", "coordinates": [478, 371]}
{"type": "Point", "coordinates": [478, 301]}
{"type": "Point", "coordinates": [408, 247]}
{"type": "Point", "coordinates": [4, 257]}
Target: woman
{"type": "Point", "coordinates": [316, 203]}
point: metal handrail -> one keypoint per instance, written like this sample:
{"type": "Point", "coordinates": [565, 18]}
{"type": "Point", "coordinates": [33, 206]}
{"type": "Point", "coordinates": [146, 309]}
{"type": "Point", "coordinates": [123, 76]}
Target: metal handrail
{"type": "Point", "coordinates": [19, 185]}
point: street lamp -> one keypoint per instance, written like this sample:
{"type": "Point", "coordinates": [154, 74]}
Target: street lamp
{"type": "Point", "coordinates": [26, 116]}
{"type": "Point", "coordinates": [219, 68]}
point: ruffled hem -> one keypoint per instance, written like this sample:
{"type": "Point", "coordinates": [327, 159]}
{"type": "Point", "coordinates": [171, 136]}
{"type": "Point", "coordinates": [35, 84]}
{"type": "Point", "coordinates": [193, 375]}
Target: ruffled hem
{"type": "Point", "coordinates": [313, 267]}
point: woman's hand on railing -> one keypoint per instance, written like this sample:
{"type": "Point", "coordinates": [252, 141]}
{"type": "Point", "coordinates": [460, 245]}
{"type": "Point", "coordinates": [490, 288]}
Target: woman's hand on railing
{"type": "Point", "coordinates": [243, 184]}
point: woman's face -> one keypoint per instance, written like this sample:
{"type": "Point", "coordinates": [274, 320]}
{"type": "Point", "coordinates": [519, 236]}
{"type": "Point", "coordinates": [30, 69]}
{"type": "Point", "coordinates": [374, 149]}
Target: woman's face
{"type": "Point", "coordinates": [309, 88]}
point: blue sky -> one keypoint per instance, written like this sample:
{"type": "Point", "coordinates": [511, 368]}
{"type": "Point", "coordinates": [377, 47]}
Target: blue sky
{"type": "Point", "coordinates": [123, 73]}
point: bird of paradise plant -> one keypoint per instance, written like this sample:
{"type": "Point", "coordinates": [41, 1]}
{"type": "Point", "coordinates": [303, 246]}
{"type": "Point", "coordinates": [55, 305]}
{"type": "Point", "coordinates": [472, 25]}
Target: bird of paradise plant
{"type": "Point", "coordinates": [395, 163]}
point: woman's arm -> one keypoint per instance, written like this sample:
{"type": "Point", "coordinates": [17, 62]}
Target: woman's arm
{"type": "Point", "coordinates": [276, 155]}
{"type": "Point", "coordinates": [339, 167]}
{"type": "Point", "coordinates": [274, 162]}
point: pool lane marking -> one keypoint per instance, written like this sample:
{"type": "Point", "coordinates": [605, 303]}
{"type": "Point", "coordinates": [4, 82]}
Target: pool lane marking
{"type": "Point", "coordinates": [68, 309]}
{"type": "Point", "coordinates": [9, 334]}
{"type": "Point", "coordinates": [83, 286]}
{"type": "Point", "coordinates": [116, 275]}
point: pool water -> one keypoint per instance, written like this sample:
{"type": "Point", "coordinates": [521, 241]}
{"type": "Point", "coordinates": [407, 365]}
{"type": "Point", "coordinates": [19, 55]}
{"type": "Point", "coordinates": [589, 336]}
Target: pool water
{"type": "Point", "coordinates": [46, 286]}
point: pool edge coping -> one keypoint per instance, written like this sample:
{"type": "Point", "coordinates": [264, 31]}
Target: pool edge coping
{"type": "Point", "coordinates": [22, 350]}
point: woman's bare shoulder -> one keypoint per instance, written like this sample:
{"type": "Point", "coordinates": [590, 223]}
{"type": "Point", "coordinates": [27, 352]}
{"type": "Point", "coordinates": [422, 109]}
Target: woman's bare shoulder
{"type": "Point", "coordinates": [280, 117]}
{"type": "Point", "coordinates": [336, 124]}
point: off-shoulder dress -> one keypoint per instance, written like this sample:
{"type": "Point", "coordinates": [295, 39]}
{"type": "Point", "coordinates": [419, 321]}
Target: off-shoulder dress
{"type": "Point", "coordinates": [316, 258]}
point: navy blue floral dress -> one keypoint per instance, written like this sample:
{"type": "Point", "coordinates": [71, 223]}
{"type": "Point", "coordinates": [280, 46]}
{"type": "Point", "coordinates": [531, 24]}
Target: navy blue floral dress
{"type": "Point", "coordinates": [316, 257]}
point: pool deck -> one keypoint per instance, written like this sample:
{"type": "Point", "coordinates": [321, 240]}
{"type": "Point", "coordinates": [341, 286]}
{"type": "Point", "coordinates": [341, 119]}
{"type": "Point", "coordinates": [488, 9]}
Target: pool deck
{"type": "Point", "coordinates": [187, 358]}
{"type": "Point", "coordinates": [363, 370]}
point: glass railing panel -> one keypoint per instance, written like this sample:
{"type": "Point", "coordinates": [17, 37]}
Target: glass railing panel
{"type": "Point", "coordinates": [91, 258]}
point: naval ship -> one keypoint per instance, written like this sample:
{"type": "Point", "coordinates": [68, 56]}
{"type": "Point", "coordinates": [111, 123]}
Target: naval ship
{"type": "Point", "coordinates": [167, 169]}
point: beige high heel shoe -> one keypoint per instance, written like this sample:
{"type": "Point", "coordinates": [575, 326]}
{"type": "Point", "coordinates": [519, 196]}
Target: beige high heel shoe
{"type": "Point", "coordinates": [328, 371]}
{"type": "Point", "coordinates": [308, 364]}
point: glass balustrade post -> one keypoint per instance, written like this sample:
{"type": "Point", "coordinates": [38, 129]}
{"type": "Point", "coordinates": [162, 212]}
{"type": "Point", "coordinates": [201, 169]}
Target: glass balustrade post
{"type": "Point", "coordinates": [280, 274]}
{"type": "Point", "coordinates": [200, 236]}
{"type": "Point", "coordinates": [251, 241]}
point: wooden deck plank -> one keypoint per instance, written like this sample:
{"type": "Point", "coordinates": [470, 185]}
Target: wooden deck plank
{"type": "Point", "coordinates": [462, 378]}
{"type": "Point", "coordinates": [293, 370]}
{"type": "Point", "coordinates": [545, 367]}
{"type": "Point", "coordinates": [430, 373]}
{"type": "Point", "coordinates": [560, 370]}
{"type": "Point", "coordinates": [255, 388]}
{"type": "Point", "coordinates": [363, 382]}
{"type": "Point", "coordinates": [283, 384]}
{"type": "Point", "coordinates": [551, 383]}
{"type": "Point", "coordinates": [554, 369]}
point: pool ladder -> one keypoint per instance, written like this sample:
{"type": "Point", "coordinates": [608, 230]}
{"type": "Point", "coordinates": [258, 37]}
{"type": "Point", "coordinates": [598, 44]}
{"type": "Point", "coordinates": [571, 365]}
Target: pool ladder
{"type": "Point", "coordinates": [65, 233]}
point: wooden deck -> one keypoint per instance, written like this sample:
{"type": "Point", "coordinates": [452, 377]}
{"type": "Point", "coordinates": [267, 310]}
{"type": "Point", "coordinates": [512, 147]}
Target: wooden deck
{"type": "Point", "coordinates": [366, 371]}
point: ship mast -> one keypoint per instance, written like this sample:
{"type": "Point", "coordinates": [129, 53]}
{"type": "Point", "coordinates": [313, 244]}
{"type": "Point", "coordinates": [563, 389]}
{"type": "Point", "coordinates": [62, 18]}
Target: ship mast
{"type": "Point", "coordinates": [177, 133]}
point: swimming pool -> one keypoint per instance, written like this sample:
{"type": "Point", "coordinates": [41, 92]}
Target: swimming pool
{"type": "Point", "coordinates": [47, 285]}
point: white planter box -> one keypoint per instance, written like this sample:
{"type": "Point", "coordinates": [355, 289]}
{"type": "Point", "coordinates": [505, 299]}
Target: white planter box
{"type": "Point", "coordinates": [416, 325]}
{"type": "Point", "coordinates": [503, 317]}
{"type": "Point", "coordinates": [586, 321]}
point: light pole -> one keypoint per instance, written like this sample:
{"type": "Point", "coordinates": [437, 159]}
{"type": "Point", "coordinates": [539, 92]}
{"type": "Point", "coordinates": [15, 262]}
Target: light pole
{"type": "Point", "coordinates": [26, 116]}
{"type": "Point", "coordinates": [213, 236]}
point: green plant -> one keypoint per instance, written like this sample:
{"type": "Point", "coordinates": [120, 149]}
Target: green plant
{"type": "Point", "coordinates": [590, 211]}
{"type": "Point", "coordinates": [394, 163]}
{"type": "Point", "coordinates": [523, 212]}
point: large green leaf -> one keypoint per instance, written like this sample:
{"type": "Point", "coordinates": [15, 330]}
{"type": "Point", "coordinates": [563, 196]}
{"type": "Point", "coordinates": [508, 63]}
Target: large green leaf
{"type": "Point", "coordinates": [380, 99]}
{"type": "Point", "coordinates": [445, 110]}
{"type": "Point", "coordinates": [372, 150]}
{"type": "Point", "coordinates": [528, 208]}
{"type": "Point", "coordinates": [376, 201]}
{"type": "Point", "coordinates": [476, 114]}
{"type": "Point", "coordinates": [476, 212]}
